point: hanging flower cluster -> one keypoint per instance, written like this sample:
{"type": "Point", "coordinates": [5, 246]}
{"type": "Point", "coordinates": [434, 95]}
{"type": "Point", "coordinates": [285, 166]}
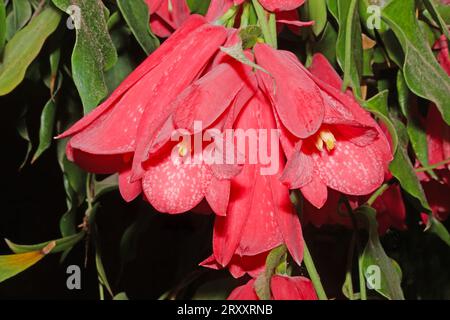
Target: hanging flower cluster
{"type": "Point", "coordinates": [318, 139]}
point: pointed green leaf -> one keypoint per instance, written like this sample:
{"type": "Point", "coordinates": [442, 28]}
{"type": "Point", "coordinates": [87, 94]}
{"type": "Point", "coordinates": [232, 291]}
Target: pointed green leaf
{"type": "Point", "coordinates": [18, 17]}
{"type": "Point", "coordinates": [436, 227]}
{"type": "Point", "coordinates": [12, 264]}
{"type": "Point", "coordinates": [423, 75]}
{"type": "Point", "coordinates": [317, 10]}
{"type": "Point", "coordinates": [24, 47]}
{"type": "Point", "coordinates": [94, 52]}
{"type": "Point", "coordinates": [402, 168]}
{"type": "Point", "coordinates": [135, 13]}
{"type": "Point", "coordinates": [349, 45]}
{"type": "Point", "coordinates": [388, 280]}
{"type": "Point", "coordinates": [2, 24]}
{"type": "Point", "coordinates": [60, 244]}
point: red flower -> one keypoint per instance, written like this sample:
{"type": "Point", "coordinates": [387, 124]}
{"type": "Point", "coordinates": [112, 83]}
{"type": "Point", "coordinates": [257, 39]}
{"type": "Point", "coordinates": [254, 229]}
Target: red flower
{"type": "Point", "coordinates": [438, 132]}
{"type": "Point", "coordinates": [281, 5]}
{"type": "Point", "coordinates": [282, 288]}
{"type": "Point", "coordinates": [329, 139]}
{"type": "Point", "coordinates": [437, 192]}
{"type": "Point", "coordinates": [391, 212]}
{"type": "Point", "coordinates": [166, 16]}
{"type": "Point", "coordinates": [260, 215]}
{"type": "Point", "coordinates": [122, 129]}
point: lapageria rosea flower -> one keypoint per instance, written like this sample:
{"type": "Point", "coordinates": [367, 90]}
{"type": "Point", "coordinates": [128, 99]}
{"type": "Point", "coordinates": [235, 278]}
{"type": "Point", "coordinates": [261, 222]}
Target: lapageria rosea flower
{"type": "Point", "coordinates": [260, 215]}
{"type": "Point", "coordinates": [106, 140]}
{"type": "Point", "coordinates": [282, 288]}
{"type": "Point", "coordinates": [330, 141]}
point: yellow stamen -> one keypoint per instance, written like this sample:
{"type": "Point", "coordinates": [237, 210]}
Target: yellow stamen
{"type": "Point", "coordinates": [182, 150]}
{"type": "Point", "coordinates": [328, 138]}
{"type": "Point", "coordinates": [319, 143]}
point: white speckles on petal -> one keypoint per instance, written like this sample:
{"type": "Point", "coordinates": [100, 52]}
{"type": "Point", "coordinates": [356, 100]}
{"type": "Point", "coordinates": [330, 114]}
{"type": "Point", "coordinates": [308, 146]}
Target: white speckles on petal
{"type": "Point", "coordinates": [174, 187]}
{"type": "Point", "coordinates": [350, 169]}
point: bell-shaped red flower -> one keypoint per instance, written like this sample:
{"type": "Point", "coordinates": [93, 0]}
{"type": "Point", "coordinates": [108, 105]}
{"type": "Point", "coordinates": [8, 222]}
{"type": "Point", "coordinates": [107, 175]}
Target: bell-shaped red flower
{"type": "Point", "coordinates": [329, 139]}
{"type": "Point", "coordinates": [282, 288]}
{"type": "Point", "coordinates": [260, 215]}
{"type": "Point", "coordinates": [120, 131]}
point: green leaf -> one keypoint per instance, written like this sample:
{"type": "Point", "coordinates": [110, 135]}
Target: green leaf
{"type": "Point", "coordinates": [135, 13]}
{"type": "Point", "coordinates": [433, 10]}
{"type": "Point", "coordinates": [423, 75]}
{"type": "Point", "coordinates": [198, 6]}
{"type": "Point", "coordinates": [18, 17]}
{"type": "Point", "coordinates": [262, 283]}
{"type": "Point", "coordinates": [22, 129]}
{"type": "Point", "coordinates": [106, 185]}
{"type": "Point", "coordinates": [378, 105]}
{"type": "Point", "coordinates": [402, 168]}
{"type": "Point", "coordinates": [93, 53]}
{"type": "Point", "coordinates": [24, 47]}
{"type": "Point", "coordinates": [12, 264]}
{"type": "Point", "coordinates": [119, 72]}
{"type": "Point", "coordinates": [2, 24]}
{"type": "Point", "coordinates": [46, 129]}
{"type": "Point", "coordinates": [349, 45]}
{"type": "Point", "coordinates": [60, 244]}
{"type": "Point", "coordinates": [317, 10]}
{"type": "Point", "coordinates": [121, 296]}
{"type": "Point", "coordinates": [327, 43]}
{"type": "Point", "coordinates": [436, 227]}
{"type": "Point", "coordinates": [375, 258]}
{"type": "Point", "coordinates": [416, 133]}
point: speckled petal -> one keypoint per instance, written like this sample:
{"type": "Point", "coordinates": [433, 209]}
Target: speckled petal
{"type": "Point", "coordinates": [172, 186]}
{"type": "Point", "coordinates": [350, 169]}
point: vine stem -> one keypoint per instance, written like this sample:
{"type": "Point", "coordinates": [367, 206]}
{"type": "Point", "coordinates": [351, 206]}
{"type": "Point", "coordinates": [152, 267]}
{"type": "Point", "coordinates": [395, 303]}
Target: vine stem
{"type": "Point", "coordinates": [433, 166]}
{"type": "Point", "coordinates": [315, 278]}
{"type": "Point", "coordinates": [378, 192]}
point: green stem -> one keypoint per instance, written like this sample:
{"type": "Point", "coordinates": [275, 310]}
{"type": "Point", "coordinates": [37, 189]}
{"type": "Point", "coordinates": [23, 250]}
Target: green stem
{"type": "Point", "coordinates": [378, 193]}
{"type": "Point", "coordinates": [362, 279]}
{"type": "Point", "coordinates": [245, 17]}
{"type": "Point", "coordinates": [315, 278]}
{"type": "Point", "coordinates": [433, 166]}
{"type": "Point", "coordinates": [348, 273]}
{"type": "Point", "coordinates": [348, 45]}
{"type": "Point", "coordinates": [264, 24]}
{"type": "Point", "coordinates": [101, 291]}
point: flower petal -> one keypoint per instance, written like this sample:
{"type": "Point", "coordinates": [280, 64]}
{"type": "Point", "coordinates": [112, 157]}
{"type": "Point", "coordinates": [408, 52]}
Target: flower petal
{"type": "Point", "coordinates": [146, 66]}
{"type": "Point", "coordinates": [171, 81]}
{"type": "Point", "coordinates": [315, 192]}
{"type": "Point", "coordinates": [281, 5]}
{"type": "Point", "coordinates": [350, 169]}
{"type": "Point", "coordinates": [296, 97]}
{"type": "Point", "coordinates": [172, 186]}
{"type": "Point", "coordinates": [217, 195]}
{"type": "Point", "coordinates": [292, 288]}
{"type": "Point", "coordinates": [129, 190]}
{"type": "Point", "coordinates": [245, 292]}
